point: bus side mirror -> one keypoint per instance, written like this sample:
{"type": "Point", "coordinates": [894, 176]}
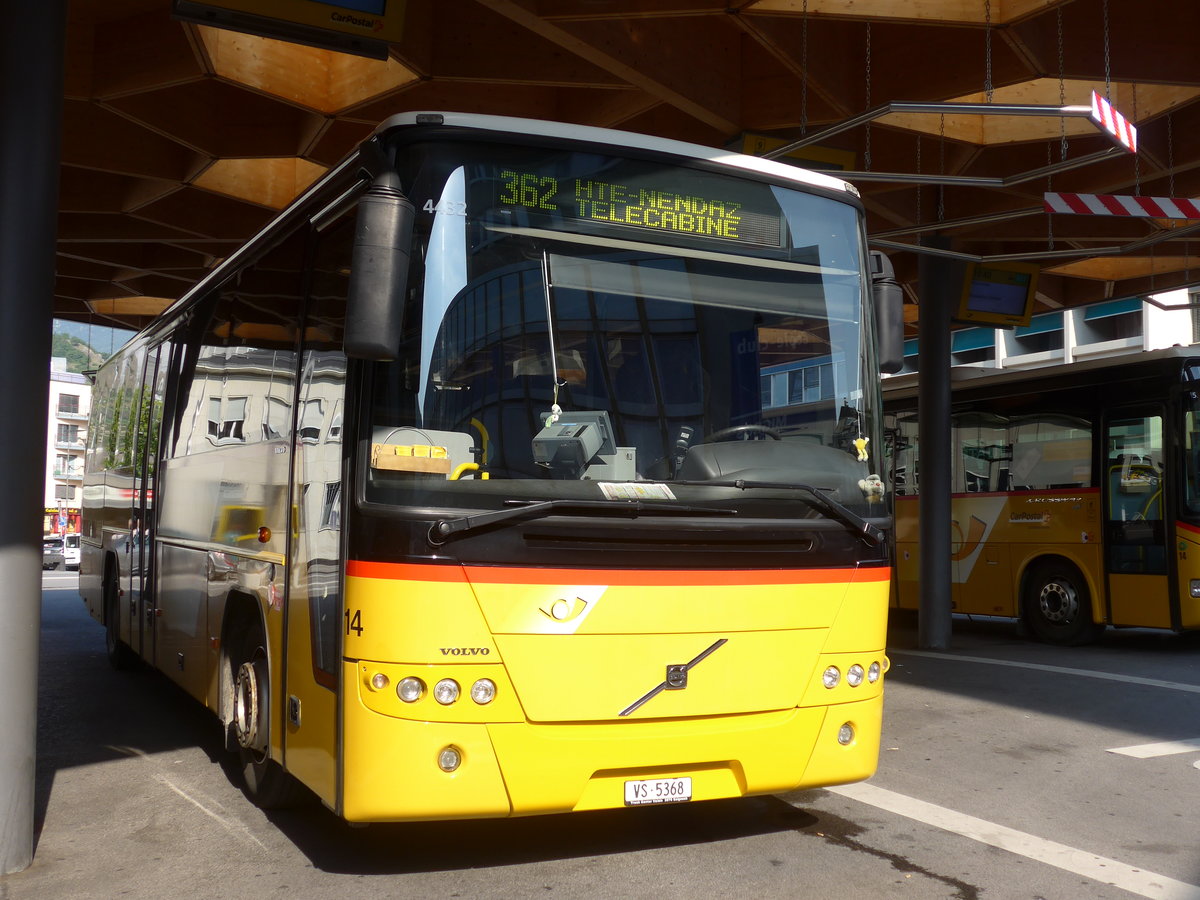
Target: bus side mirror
{"type": "Point", "coordinates": [888, 299]}
{"type": "Point", "coordinates": [379, 271]}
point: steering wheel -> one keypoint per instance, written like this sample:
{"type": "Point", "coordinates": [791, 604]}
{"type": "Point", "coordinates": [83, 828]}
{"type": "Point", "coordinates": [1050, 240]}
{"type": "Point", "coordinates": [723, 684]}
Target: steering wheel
{"type": "Point", "coordinates": [743, 432]}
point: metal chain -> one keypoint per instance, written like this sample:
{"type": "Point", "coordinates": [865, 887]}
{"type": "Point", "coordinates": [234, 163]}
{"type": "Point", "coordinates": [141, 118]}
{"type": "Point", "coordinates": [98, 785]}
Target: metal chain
{"type": "Point", "coordinates": [867, 146]}
{"type": "Point", "coordinates": [1062, 87]}
{"type": "Point", "coordinates": [804, 69]}
{"type": "Point", "coordinates": [1049, 188]}
{"type": "Point", "coordinates": [987, 44]}
{"type": "Point", "coordinates": [1107, 59]}
{"type": "Point", "coordinates": [1170, 158]}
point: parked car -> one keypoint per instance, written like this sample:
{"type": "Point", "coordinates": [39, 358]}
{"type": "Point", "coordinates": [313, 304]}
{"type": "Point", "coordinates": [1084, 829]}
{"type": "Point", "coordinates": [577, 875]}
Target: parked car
{"type": "Point", "coordinates": [71, 551]}
{"type": "Point", "coordinates": [52, 551]}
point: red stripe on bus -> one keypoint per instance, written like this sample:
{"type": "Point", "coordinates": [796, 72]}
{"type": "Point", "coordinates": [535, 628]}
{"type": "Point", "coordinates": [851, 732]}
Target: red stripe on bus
{"type": "Point", "coordinates": [664, 577]}
{"type": "Point", "coordinates": [1184, 526]}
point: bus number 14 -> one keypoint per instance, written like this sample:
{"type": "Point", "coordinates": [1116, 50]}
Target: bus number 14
{"type": "Point", "coordinates": [354, 622]}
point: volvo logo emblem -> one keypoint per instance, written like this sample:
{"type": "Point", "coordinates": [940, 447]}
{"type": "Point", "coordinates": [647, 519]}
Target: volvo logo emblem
{"type": "Point", "coordinates": [676, 680]}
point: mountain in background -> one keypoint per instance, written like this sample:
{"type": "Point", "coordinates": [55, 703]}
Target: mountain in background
{"type": "Point", "coordinates": [86, 346]}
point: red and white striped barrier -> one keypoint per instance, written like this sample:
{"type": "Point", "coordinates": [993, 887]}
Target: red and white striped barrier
{"type": "Point", "coordinates": [1114, 205]}
{"type": "Point", "coordinates": [1118, 127]}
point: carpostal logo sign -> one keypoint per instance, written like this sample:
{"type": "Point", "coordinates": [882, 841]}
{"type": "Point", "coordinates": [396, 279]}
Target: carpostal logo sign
{"type": "Point", "coordinates": [367, 22]}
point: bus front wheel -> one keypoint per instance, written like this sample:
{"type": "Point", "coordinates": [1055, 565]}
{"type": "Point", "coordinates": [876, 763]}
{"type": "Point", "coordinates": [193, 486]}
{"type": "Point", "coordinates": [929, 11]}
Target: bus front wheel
{"type": "Point", "coordinates": [265, 781]}
{"type": "Point", "coordinates": [1057, 605]}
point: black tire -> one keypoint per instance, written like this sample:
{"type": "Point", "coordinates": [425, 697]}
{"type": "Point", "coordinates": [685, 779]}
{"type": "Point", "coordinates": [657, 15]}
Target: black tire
{"type": "Point", "coordinates": [264, 780]}
{"type": "Point", "coordinates": [120, 655]}
{"type": "Point", "coordinates": [1057, 605]}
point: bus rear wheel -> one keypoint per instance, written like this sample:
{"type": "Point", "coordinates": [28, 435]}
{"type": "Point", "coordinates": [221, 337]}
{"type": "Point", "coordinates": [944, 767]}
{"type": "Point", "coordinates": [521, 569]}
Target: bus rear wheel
{"type": "Point", "coordinates": [1057, 605]}
{"type": "Point", "coordinates": [265, 781]}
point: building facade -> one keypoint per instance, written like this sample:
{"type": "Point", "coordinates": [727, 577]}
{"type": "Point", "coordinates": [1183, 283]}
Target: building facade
{"type": "Point", "coordinates": [1113, 328]}
{"type": "Point", "coordinates": [66, 435]}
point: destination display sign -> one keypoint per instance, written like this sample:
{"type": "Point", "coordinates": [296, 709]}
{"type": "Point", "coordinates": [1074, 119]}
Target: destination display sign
{"type": "Point", "coordinates": [709, 208]}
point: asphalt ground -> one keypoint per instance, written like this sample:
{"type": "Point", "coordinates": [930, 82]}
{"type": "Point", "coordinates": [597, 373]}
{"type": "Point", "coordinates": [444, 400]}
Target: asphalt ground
{"type": "Point", "coordinates": [1009, 770]}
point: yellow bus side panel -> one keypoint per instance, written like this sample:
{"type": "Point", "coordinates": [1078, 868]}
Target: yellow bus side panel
{"type": "Point", "coordinates": [1188, 556]}
{"type": "Point", "coordinates": [995, 538]}
{"type": "Point", "coordinates": [311, 752]}
{"type": "Point", "coordinates": [1140, 600]}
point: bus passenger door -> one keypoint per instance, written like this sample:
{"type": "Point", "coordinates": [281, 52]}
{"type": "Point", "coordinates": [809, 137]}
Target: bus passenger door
{"type": "Point", "coordinates": [1135, 537]}
{"type": "Point", "coordinates": [142, 571]}
{"type": "Point", "coordinates": [142, 437]}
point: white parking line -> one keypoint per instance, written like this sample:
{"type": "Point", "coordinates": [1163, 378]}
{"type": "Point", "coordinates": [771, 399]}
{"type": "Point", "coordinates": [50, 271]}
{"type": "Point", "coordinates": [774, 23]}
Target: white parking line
{"type": "Point", "coordinates": [1098, 868]}
{"type": "Point", "coordinates": [1163, 748]}
{"type": "Point", "coordinates": [1061, 670]}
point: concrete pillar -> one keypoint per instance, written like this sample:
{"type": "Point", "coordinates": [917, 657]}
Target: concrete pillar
{"type": "Point", "coordinates": [939, 285]}
{"type": "Point", "coordinates": [31, 66]}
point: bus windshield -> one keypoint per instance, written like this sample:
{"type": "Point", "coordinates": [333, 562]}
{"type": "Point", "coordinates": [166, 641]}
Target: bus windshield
{"type": "Point", "coordinates": [583, 326]}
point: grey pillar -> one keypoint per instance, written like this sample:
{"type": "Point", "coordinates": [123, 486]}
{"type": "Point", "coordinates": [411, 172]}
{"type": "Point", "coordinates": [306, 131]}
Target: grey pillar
{"type": "Point", "coordinates": [31, 65]}
{"type": "Point", "coordinates": [939, 282]}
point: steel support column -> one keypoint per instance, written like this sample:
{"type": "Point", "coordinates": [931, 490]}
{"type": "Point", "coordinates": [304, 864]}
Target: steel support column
{"type": "Point", "coordinates": [31, 66]}
{"type": "Point", "coordinates": [939, 282]}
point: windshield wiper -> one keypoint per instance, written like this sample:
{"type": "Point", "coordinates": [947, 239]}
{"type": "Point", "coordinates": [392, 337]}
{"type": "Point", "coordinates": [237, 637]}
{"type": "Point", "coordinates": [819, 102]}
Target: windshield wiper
{"type": "Point", "coordinates": [870, 533]}
{"type": "Point", "coordinates": [519, 509]}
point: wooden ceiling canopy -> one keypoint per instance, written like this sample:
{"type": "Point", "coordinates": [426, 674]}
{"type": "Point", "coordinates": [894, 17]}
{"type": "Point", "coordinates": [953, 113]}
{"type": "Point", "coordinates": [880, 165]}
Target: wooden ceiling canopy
{"type": "Point", "coordinates": [180, 141]}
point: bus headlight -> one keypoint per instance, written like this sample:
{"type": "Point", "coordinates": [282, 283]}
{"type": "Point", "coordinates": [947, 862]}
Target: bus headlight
{"type": "Point", "coordinates": [410, 689]}
{"type": "Point", "coordinates": [379, 681]}
{"type": "Point", "coordinates": [1194, 587]}
{"type": "Point", "coordinates": [846, 734]}
{"type": "Point", "coordinates": [483, 691]}
{"type": "Point", "coordinates": [855, 675]}
{"type": "Point", "coordinates": [831, 676]}
{"type": "Point", "coordinates": [446, 691]}
{"type": "Point", "coordinates": [873, 672]}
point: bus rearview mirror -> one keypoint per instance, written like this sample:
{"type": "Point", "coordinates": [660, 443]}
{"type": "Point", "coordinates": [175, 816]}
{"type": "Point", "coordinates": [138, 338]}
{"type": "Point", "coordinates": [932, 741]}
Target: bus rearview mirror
{"type": "Point", "coordinates": [888, 299]}
{"type": "Point", "coordinates": [379, 271]}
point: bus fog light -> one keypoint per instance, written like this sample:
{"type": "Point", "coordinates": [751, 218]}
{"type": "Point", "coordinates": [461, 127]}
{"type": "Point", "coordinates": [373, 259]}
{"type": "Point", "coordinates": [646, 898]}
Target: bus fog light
{"type": "Point", "coordinates": [446, 691]}
{"type": "Point", "coordinates": [483, 691]}
{"type": "Point", "coordinates": [1194, 587]}
{"type": "Point", "coordinates": [854, 675]}
{"type": "Point", "coordinates": [449, 759]}
{"type": "Point", "coordinates": [379, 681]}
{"type": "Point", "coordinates": [874, 672]}
{"type": "Point", "coordinates": [831, 677]}
{"type": "Point", "coordinates": [410, 689]}
{"type": "Point", "coordinates": [846, 734]}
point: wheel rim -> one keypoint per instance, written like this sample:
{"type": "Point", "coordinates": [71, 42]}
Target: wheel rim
{"type": "Point", "coordinates": [247, 706]}
{"type": "Point", "coordinates": [1058, 602]}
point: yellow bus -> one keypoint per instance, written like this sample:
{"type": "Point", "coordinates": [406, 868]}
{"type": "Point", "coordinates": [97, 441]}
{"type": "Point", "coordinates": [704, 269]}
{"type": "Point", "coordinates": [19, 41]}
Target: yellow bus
{"type": "Point", "coordinates": [1076, 499]}
{"type": "Point", "coordinates": [451, 493]}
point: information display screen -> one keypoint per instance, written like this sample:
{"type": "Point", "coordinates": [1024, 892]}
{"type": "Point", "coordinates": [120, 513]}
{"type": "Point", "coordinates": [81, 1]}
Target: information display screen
{"type": "Point", "coordinates": [1000, 295]}
{"type": "Point", "coordinates": [644, 198]}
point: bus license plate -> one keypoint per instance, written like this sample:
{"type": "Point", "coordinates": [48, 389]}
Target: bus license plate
{"type": "Point", "coordinates": [658, 790]}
